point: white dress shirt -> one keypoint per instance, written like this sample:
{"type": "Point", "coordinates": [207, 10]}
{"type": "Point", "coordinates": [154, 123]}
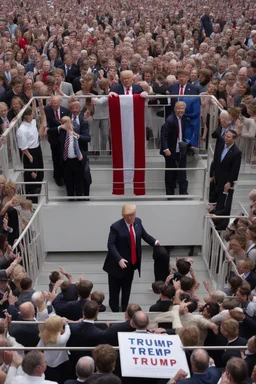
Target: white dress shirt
{"type": "Point", "coordinates": [27, 135]}
{"type": "Point", "coordinates": [18, 376]}
{"type": "Point", "coordinates": [71, 151]}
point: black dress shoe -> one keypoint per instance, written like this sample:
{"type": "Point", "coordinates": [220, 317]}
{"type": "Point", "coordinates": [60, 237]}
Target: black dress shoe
{"type": "Point", "coordinates": [59, 182]}
{"type": "Point", "coordinates": [183, 193]}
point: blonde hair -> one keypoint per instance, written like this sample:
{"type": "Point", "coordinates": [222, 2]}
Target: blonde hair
{"type": "Point", "coordinates": [4, 105]}
{"type": "Point", "coordinates": [128, 209]}
{"type": "Point", "coordinates": [26, 204]}
{"type": "Point", "coordinates": [50, 330]}
{"type": "Point", "coordinates": [11, 184]}
{"type": "Point", "coordinates": [252, 195]}
{"type": "Point", "coordinates": [231, 327]}
{"type": "Point", "coordinates": [126, 73]}
{"type": "Point", "coordinates": [189, 336]}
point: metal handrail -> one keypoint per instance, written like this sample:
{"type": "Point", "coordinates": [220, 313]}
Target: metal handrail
{"type": "Point", "coordinates": [215, 348]}
{"type": "Point", "coordinates": [17, 242]}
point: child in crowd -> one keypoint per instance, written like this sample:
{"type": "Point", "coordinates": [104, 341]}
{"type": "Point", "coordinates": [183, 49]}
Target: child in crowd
{"type": "Point", "coordinates": [99, 297]}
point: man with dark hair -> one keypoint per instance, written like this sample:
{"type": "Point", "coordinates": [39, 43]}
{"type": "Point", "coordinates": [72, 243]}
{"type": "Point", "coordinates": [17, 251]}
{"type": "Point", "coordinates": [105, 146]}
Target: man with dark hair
{"type": "Point", "coordinates": [105, 358]}
{"type": "Point", "coordinates": [26, 291]}
{"type": "Point", "coordinates": [167, 293]}
{"type": "Point", "coordinates": [73, 310]}
{"type": "Point", "coordinates": [236, 371]}
{"type": "Point", "coordinates": [224, 173]}
{"type": "Point", "coordinates": [16, 84]}
{"type": "Point", "coordinates": [86, 333]}
{"type": "Point", "coordinates": [201, 372]}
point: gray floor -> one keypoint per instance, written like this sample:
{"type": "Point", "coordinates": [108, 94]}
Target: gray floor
{"type": "Point", "coordinates": [90, 265]}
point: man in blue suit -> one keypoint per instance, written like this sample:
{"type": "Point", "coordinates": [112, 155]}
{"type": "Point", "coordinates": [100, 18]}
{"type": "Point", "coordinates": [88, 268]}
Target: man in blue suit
{"type": "Point", "coordinates": [192, 113]}
{"type": "Point", "coordinates": [124, 255]}
{"type": "Point", "coordinates": [201, 372]}
{"type": "Point", "coordinates": [126, 87]}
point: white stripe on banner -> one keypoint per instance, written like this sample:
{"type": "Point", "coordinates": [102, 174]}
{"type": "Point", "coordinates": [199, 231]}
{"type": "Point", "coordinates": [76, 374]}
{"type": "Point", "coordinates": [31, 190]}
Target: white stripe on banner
{"type": "Point", "coordinates": [127, 124]}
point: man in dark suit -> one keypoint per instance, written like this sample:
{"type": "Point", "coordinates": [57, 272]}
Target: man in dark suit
{"type": "Point", "coordinates": [84, 369]}
{"type": "Point", "coordinates": [73, 310]}
{"type": "Point", "coordinates": [167, 293]}
{"type": "Point", "coordinates": [124, 255]}
{"type": "Point", "coordinates": [174, 149]}
{"type": "Point", "coordinates": [247, 266]}
{"type": "Point", "coordinates": [201, 372]}
{"type": "Point", "coordinates": [85, 334]}
{"type": "Point", "coordinates": [25, 334]}
{"type": "Point", "coordinates": [16, 84]}
{"type": "Point", "coordinates": [224, 172]}
{"type": "Point", "coordinates": [192, 112]}
{"type": "Point", "coordinates": [126, 87]}
{"type": "Point", "coordinates": [112, 331]}
{"type": "Point", "coordinates": [71, 70]}
{"type": "Point", "coordinates": [206, 22]}
{"type": "Point", "coordinates": [250, 354]}
{"type": "Point", "coordinates": [54, 112]}
{"type": "Point", "coordinates": [81, 128]}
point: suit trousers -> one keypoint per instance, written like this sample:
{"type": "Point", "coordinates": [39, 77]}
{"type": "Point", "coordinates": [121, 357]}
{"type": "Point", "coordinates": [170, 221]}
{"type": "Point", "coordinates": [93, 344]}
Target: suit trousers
{"type": "Point", "coordinates": [37, 163]}
{"type": "Point", "coordinates": [56, 159]}
{"type": "Point", "coordinates": [117, 284]}
{"type": "Point", "coordinates": [171, 177]}
{"type": "Point", "coordinates": [74, 177]}
{"type": "Point", "coordinates": [100, 134]}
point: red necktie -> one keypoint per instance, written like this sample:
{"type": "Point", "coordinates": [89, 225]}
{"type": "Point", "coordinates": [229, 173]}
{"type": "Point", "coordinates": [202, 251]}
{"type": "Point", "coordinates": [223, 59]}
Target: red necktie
{"type": "Point", "coordinates": [134, 258]}
{"type": "Point", "coordinates": [57, 115]}
{"type": "Point", "coordinates": [181, 90]}
{"type": "Point", "coordinates": [127, 91]}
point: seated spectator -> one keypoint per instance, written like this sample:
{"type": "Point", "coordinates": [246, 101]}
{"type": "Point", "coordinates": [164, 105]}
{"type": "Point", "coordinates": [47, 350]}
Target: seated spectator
{"type": "Point", "coordinates": [167, 293]}
{"type": "Point", "coordinates": [99, 297]}
{"type": "Point", "coordinates": [52, 334]}
{"type": "Point", "coordinates": [84, 369]}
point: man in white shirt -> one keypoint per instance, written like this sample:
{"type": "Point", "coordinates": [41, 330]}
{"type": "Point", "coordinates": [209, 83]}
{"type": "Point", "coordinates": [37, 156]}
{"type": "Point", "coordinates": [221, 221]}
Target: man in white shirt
{"type": "Point", "coordinates": [30, 370]}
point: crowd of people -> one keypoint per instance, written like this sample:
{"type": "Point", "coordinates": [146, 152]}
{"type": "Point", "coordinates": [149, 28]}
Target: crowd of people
{"type": "Point", "coordinates": [68, 50]}
{"type": "Point", "coordinates": [54, 50]}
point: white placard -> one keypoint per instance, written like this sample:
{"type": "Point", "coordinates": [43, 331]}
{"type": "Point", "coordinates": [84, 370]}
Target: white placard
{"type": "Point", "coordinates": [151, 355]}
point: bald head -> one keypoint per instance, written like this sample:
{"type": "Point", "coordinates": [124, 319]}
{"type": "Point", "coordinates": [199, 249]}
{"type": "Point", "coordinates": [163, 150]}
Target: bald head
{"type": "Point", "coordinates": [27, 311]}
{"type": "Point", "coordinates": [85, 367]}
{"type": "Point", "coordinates": [199, 361]}
{"type": "Point", "coordinates": [140, 320]}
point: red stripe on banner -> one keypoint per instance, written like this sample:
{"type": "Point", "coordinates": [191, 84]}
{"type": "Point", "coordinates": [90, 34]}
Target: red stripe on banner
{"type": "Point", "coordinates": [117, 148]}
{"type": "Point", "coordinates": [139, 145]}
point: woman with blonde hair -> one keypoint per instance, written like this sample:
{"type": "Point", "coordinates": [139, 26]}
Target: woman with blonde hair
{"type": "Point", "coordinates": [52, 334]}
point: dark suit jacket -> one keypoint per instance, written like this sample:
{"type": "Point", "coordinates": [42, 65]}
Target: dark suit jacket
{"type": "Point", "coordinates": [119, 246]}
{"type": "Point", "coordinates": [111, 332]}
{"type": "Point", "coordinates": [211, 376]}
{"type": "Point", "coordinates": [169, 134]}
{"type": "Point", "coordinates": [8, 96]}
{"type": "Point", "coordinates": [119, 89]}
{"type": "Point", "coordinates": [234, 352]}
{"type": "Point", "coordinates": [73, 381]}
{"type": "Point", "coordinates": [84, 335]}
{"type": "Point", "coordinates": [226, 170]}
{"type": "Point", "coordinates": [25, 334]}
{"type": "Point", "coordinates": [190, 89]}
{"type": "Point", "coordinates": [72, 73]}
{"type": "Point", "coordinates": [251, 279]}
{"type": "Point", "coordinates": [53, 123]}
{"type": "Point", "coordinates": [83, 132]}
{"type": "Point", "coordinates": [161, 306]}
{"type": "Point", "coordinates": [72, 310]}
{"type": "Point", "coordinates": [250, 361]}
{"type": "Point", "coordinates": [206, 24]}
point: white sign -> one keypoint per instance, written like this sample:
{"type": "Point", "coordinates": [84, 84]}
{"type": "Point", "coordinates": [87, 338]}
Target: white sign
{"type": "Point", "coordinates": [151, 355]}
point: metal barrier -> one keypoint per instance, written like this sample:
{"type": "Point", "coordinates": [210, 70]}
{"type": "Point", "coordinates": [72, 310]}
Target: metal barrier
{"type": "Point", "coordinates": [30, 244]}
{"type": "Point", "coordinates": [216, 256]}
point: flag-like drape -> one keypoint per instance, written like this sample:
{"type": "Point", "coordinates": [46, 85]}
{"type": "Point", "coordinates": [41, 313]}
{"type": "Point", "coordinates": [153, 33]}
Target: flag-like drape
{"type": "Point", "coordinates": [128, 142]}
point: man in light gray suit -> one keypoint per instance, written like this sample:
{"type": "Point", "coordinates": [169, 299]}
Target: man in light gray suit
{"type": "Point", "coordinates": [61, 87]}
